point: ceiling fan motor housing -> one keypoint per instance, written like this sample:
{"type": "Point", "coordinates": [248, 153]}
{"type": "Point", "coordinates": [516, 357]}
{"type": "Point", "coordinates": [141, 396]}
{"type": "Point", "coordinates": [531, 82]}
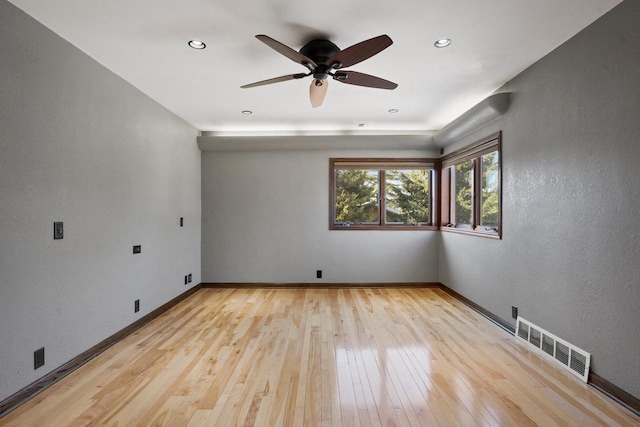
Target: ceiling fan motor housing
{"type": "Point", "coordinates": [320, 51]}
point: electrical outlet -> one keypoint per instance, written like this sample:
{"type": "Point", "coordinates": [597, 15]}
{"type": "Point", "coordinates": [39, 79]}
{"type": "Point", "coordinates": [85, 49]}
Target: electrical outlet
{"type": "Point", "coordinates": [190, 278]}
{"type": "Point", "coordinates": [38, 358]}
{"type": "Point", "coordinates": [137, 249]}
{"type": "Point", "coordinates": [136, 306]}
{"type": "Point", "coordinates": [58, 230]}
{"type": "Point", "coordinates": [318, 274]}
{"type": "Point", "coordinates": [514, 311]}
{"type": "Point", "coordinates": [181, 222]}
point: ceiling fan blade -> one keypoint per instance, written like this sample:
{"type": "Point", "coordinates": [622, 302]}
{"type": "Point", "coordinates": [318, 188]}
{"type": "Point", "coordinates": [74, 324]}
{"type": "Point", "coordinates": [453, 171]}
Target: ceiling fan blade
{"type": "Point", "coordinates": [361, 79]}
{"type": "Point", "coordinates": [317, 92]}
{"type": "Point", "coordinates": [275, 80]}
{"type": "Point", "coordinates": [359, 52]}
{"type": "Point", "coordinates": [287, 51]}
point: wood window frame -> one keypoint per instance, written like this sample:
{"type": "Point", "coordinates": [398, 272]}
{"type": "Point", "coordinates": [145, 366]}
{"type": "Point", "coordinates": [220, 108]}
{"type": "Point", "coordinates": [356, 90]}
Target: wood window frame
{"type": "Point", "coordinates": [382, 164]}
{"type": "Point", "coordinates": [473, 152]}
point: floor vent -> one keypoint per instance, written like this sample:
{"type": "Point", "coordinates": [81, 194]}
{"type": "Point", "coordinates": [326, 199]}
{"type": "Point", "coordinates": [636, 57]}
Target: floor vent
{"type": "Point", "coordinates": [575, 360]}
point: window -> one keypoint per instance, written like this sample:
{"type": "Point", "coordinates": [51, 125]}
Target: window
{"type": "Point", "coordinates": [372, 194]}
{"type": "Point", "coordinates": [471, 189]}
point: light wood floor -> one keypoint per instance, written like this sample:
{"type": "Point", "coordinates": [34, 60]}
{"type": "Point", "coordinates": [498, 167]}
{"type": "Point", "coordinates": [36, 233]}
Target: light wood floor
{"type": "Point", "coordinates": [319, 357]}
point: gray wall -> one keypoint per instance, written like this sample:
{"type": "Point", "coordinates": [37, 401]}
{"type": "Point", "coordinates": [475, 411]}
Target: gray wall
{"type": "Point", "coordinates": [570, 254]}
{"type": "Point", "coordinates": [80, 145]}
{"type": "Point", "coordinates": [265, 218]}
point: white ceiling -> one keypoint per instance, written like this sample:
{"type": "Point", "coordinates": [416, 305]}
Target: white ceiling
{"type": "Point", "coordinates": [145, 42]}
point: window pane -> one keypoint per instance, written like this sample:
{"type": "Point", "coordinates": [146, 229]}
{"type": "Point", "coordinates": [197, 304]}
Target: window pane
{"type": "Point", "coordinates": [471, 183]}
{"type": "Point", "coordinates": [463, 193]}
{"type": "Point", "coordinates": [407, 196]}
{"type": "Point", "coordinates": [490, 182]}
{"type": "Point", "coordinates": [356, 196]}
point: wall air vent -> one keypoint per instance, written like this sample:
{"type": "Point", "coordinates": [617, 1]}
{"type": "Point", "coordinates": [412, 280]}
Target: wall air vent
{"type": "Point", "coordinates": [573, 359]}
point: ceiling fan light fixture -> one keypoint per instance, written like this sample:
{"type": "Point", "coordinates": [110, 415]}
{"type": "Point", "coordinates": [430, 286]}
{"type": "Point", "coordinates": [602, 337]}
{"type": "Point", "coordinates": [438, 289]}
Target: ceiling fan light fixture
{"type": "Point", "coordinates": [197, 44]}
{"type": "Point", "coordinates": [442, 43]}
{"type": "Point", "coordinates": [317, 92]}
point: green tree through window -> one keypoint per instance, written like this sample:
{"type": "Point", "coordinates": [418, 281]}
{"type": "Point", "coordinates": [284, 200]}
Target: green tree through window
{"type": "Point", "coordinates": [356, 196]}
{"type": "Point", "coordinates": [490, 176]}
{"type": "Point", "coordinates": [463, 193]}
{"type": "Point", "coordinates": [407, 196]}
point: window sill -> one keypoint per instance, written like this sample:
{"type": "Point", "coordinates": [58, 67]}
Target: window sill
{"type": "Point", "coordinates": [385, 227]}
{"type": "Point", "coordinates": [470, 232]}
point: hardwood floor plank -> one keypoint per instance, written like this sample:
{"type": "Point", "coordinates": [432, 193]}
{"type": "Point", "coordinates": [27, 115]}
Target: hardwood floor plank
{"type": "Point", "coordinates": [199, 418]}
{"type": "Point", "coordinates": [320, 357]}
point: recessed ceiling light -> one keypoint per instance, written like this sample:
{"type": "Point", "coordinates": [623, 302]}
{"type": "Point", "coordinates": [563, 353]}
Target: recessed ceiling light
{"type": "Point", "coordinates": [197, 44]}
{"type": "Point", "coordinates": [393, 110]}
{"type": "Point", "coordinates": [442, 43]}
{"type": "Point", "coordinates": [247, 112]}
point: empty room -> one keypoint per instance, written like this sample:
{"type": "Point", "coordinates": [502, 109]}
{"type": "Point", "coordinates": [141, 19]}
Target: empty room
{"type": "Point", "coordinates": [286, 213]}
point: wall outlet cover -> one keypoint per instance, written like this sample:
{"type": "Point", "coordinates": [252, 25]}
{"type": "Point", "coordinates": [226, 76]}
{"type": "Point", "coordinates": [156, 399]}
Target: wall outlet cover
{"type": "Point", "coordinates": [58, 230]}
{"type": "Point", "coordinates": [38, 358]}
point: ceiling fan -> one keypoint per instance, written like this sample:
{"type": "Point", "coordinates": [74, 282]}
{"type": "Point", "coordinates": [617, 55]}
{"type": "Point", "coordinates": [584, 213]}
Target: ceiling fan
{"type": "Point", "coordinates": [324, 59]}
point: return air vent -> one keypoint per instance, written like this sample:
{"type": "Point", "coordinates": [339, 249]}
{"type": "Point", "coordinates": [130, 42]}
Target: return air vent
{"type": "Point", "coordinates": [575, 360]}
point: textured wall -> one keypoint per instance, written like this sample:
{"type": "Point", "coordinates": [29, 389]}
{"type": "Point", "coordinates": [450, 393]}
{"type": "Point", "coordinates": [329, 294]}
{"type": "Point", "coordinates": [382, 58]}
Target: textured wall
{"type": "Point", "coordinates": [571, 199]}
{"type": "Point", "coordinates": [265, 218]}
{"type": "Point", "coordinates": [80, 145]}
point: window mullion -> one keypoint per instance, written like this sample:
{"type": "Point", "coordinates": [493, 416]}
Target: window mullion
{"type": "Point", "coordinates": [382, 197]}
{"type": "Point", "coordinates": [477, 192]}
{"type": "Point", "coordinates": [452, 199]}
{"type": "Point", "coordinates": [445, 194]}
